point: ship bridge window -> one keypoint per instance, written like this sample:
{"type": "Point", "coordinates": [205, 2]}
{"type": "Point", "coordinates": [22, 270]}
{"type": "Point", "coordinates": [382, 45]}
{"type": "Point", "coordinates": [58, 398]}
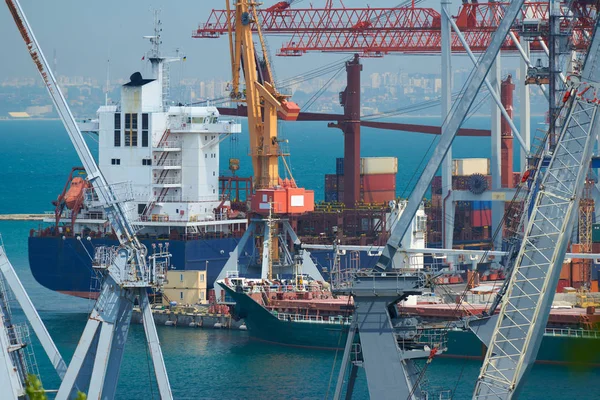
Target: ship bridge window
{"type": "Point", "coordinates": [146, 161]}
{"type": "Point", "coordinates": [144, 121]}
{"type": "Point", "coordinates": [131, 133]}
{"type": "Point", "coordinates": [115, 161]}
{"type": "Point", "coordinates": [117, 138]}
{"type": "Point", "coordinates": [421, 223]}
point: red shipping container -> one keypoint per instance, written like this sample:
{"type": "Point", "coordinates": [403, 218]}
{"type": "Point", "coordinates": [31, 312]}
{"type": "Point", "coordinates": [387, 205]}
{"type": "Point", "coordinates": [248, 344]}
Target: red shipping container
{"type": "Point", "coordinates": [382, 196]}
{"type": "Point", "coordinates": [481, 218]}
{"type": "Point", "coordinates": [379, 182]}
{"type": "Point", "coordinates": [562, 284]}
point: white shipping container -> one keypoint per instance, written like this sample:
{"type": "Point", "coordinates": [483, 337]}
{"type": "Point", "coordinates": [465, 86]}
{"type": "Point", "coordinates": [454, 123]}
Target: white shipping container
{"type": "Point", "coordinates": [470, 166]}
{"type": "Point", "coordinates": [378, 165]}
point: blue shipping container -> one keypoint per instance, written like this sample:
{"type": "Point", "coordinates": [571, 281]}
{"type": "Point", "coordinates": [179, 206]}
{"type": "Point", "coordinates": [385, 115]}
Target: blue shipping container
{"type": "Point", "coordinates": [481, 205]}
{"type": "Point", "coordinates": [331, 197]}
{"type": "Point", "coordinates": [339, 166]}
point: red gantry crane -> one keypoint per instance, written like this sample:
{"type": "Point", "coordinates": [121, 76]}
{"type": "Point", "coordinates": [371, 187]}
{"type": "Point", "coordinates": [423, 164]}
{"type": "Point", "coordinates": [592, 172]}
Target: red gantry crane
{"type": "Point", "coordinates": [375, 32]}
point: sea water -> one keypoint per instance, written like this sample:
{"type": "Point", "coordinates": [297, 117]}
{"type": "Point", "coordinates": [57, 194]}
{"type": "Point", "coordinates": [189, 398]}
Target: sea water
{"type": "Point", "coordinates": [35, 159]}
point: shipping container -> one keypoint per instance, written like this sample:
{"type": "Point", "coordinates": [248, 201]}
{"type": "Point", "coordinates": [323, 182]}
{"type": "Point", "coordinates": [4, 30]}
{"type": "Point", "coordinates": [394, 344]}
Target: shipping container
{"type": "Point", "coordinates": [378, 165]}
{"type": "Point", "coordinates": [481, 205]}
{"type": "Point", "coordinates": [340, 183]}
{"type": "Point", "coordinates": [596, 233]}
{"type": "Point", "coordinates": [470, 166]}
{"type": "Point", "coordinates": [331, 197]}
{"type": "Point", "coordinates": [339, 166]}
{"type": "Point", "coordinates": [378, 197]}
{"type": "Point", "coordinates": [565, 272]}
{"type": "Point", "coordinates": [379, 182]}
{"type": "Point", "coordinates": [562, 284]}
{"type": "Point", "coordinates": [481, 218]}
{"type": "Point", "coordinates": [331, 183]}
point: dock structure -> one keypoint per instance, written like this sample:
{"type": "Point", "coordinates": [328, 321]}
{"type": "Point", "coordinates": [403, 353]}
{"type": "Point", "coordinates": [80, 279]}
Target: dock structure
{"type": "Point", "coordinates": [22, 217]}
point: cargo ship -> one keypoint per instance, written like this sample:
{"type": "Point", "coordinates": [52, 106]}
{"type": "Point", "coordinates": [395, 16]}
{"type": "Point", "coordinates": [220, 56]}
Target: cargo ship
{"type": "Point", "coordinates": [309, 316]}
{"type": "Point", "coordinates": [163, 158]}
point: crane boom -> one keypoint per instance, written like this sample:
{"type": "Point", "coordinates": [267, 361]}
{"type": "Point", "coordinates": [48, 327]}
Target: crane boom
{"type": "Point", "coordinates": [113, 208]}
{"type": "Point", "coordinates": [265, 103]}
{"type": "Point", "coordinates": [526, 304]}
{"type": "Point", "coordinates": [126, 275]}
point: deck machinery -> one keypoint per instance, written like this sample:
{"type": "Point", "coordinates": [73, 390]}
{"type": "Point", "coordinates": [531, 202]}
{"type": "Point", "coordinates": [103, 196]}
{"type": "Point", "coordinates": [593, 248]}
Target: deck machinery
{"type": "Point", "coordinates": [127, 272]}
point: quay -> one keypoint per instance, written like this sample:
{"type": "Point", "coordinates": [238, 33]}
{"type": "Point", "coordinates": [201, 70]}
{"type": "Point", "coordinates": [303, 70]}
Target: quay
{"type": "Point", "coordinates": [22, 217]}
{"type": "Point", "coordinates": [193, 319]}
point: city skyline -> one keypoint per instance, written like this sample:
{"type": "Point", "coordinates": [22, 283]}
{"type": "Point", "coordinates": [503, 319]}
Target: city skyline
{"type": "Point", "coordinates": [79, 48]}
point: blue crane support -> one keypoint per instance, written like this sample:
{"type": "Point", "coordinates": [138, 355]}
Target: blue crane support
{"type": "Point", "coordinates": [127, 275]}
{"type": "Point", "coordinates": [525, 306]}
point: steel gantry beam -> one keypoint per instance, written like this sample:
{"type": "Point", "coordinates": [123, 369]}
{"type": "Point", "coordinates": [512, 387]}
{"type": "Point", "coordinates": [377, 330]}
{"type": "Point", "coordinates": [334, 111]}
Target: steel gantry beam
{"type": "Point", "coordinates": [127, 272]}
{"type": "Point", "coordinates": [526, 304]}
{"type": "Point", "coordinates": [449, 130]}
{"type": "Point", "coordinates": [379, 31]}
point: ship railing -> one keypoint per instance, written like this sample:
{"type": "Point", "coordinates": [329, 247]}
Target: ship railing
{"type": "Point", "coordinates": [293, 288]}
{"type": "Point", "coordinates": [169, 144]}
{"type": "Point", "coordinates": [182, 199]}
{"type": "Point", "coordinates": [169, 162]}
{"type": "Point", "coordinates": [210, 126]}
{"type": "Point", "coordinates": [175, 180]}
{"type": "Point", "coordinates": [334, 320]}
{"type": "Point", "coordinates": [348, 280]}
{"type": "Point", "coordinates": [578, 333]}
{"type": "Point", "coordinates": [430, 337]}
{"type": "Point", "coordinates": [121, 192]}
{"type": "Point", "coordinates": [104, 257]}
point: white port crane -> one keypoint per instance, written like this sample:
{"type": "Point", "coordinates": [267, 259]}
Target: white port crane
{"type": "Point", "coordinates": [513, 339]}
{"type": "Point", "coordinates": [127, 275]}
{"type": "Point", "coordinates": [519, 327]}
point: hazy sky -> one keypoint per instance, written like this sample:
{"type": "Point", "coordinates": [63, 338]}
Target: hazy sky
{"type": "Point", "coordinates": [85, 33]}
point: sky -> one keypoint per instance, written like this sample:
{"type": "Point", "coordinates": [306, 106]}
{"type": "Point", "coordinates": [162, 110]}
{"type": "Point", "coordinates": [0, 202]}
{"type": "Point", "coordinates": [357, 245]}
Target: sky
{"type": "Point", "coordinates": [85, 34]}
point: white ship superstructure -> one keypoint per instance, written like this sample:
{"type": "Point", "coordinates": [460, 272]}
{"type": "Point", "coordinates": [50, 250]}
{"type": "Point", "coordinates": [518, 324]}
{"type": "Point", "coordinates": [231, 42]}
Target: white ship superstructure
{"type": "Point", "coordinates": [167, 158]}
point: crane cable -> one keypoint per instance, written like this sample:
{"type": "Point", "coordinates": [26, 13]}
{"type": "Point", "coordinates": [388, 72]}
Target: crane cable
{"type": "Point", "coordinates": [322, 90]}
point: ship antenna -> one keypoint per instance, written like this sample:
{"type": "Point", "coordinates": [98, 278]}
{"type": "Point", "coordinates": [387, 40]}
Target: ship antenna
{"type": "Point", "coordinates": [156, 39]}
{"type": "Point", "coordinates": [107, 79]}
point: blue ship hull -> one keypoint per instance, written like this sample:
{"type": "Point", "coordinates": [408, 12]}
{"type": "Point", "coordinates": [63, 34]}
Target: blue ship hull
{"type": "Point", "coordinates": [64, 265]}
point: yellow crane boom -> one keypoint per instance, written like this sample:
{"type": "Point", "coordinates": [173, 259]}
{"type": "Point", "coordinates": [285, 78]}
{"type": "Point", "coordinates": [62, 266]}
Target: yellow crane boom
{"type": "Point", "coordinates": [265, 104]}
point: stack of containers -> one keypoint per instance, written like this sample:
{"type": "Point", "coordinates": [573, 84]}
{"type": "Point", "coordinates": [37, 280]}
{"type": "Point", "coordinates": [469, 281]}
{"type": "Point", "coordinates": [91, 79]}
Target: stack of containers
{"type": "Point", "coordinates": [481, 213]}
{"type": "Point", "coordinates": [378, 179]}
{"type": "Point", "coordinates": [331, 188]}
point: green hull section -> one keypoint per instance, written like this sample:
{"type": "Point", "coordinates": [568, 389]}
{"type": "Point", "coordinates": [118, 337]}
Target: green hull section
{"type": "Point", "coordinates": [263, 325]}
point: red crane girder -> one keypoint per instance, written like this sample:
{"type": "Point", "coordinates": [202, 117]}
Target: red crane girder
{"type": "Point", "coordinates": [378, 31]}
{"type": "Point", "coordinates": [333, 19]}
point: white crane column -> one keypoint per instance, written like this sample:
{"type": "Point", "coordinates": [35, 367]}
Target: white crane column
{"type": "Point", "coordinates": [495, 162]}
{"type": "Point", "coordinates": [446, 100]}
{"type": "Point", "coordinates": [524, 106]}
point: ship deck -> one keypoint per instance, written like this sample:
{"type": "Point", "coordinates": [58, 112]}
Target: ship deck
{"type": "Point", "coordinates": [448, 312]}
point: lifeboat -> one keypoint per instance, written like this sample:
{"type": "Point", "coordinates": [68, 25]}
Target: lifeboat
{"type": "Point", "coordinates": [75, 193]}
